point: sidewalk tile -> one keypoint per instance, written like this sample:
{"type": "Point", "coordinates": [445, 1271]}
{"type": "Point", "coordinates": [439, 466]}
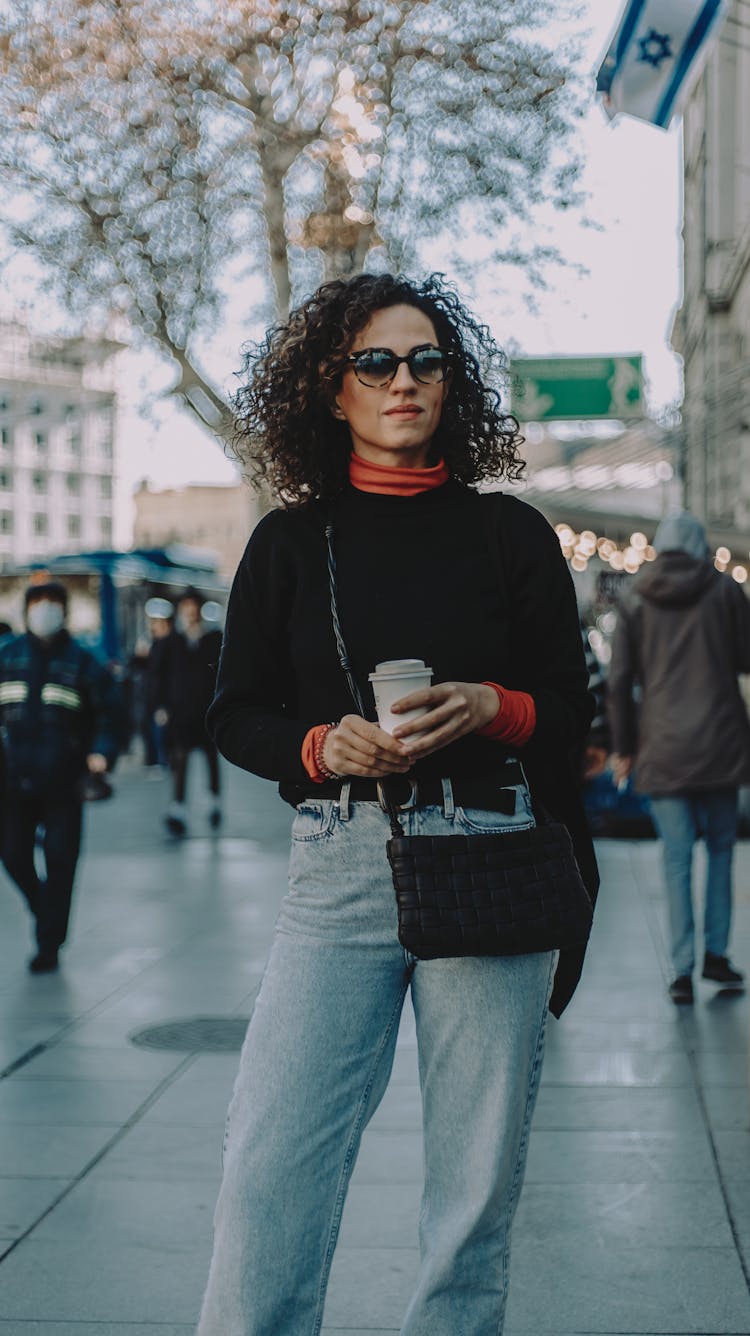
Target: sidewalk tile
{"type": "Point", "coordinates": [617, 1067]}
{"type": "Point", "coordinates": [24, 1200]}
{"type": "Point", "coordinates": [620, 1215]}
{"type": "Point", "coordinates": [153, 1152]}
{"type": "Point", "coordinates": [618, 1157]}
{"type": "Point", "coordinates": [566, 1285]}
{"type": "Point", "coordinates": [43, 1152]}
{"type": "Point", "coordinates": [52, 1281]}
{"type": "Point", "coordinates": [54, 1328]}
{"type": "Point", "coordinates": [74, 1103]}
{"type": "Point", "coordinates": [618, 1109]}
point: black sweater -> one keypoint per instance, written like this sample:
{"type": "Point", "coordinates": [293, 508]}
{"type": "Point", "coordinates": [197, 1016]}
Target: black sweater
{"type": "Point", "coordinates": [417, 578]}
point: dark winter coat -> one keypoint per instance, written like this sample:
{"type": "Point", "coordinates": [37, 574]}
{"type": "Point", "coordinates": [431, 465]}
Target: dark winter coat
{"type": "Point", "coordinates": [184, 677]}
{"type": "Point", "coordinates": [682, 637]}
{"type": "Point", "coordinates": [58, 704]}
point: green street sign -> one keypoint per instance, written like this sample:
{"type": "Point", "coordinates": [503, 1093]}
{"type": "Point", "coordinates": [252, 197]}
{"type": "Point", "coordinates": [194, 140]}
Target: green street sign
{"type": "Point", "coordinates": [545, 389]}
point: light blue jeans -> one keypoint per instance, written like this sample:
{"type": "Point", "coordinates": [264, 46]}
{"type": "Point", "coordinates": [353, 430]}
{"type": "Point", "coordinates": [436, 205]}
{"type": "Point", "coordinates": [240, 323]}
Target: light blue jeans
{"type": "Point", "coordinates": [681, 820]}
{"type": "Point", "coordinates": [316, 1063]}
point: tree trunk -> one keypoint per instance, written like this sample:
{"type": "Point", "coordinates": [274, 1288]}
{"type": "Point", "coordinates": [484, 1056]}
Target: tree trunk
{"type": "Point", "coordinates": [273, 209]}
{"type": "Point", "coordinates": [201, 398]}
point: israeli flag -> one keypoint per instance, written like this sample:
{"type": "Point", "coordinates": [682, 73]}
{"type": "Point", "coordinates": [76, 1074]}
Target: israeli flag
{"type": "Point", "coordinates": [646, 68]}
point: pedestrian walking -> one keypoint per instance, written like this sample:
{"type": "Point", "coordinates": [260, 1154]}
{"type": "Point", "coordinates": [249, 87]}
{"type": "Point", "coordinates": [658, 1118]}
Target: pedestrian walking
{"type": "Point", "coordinates": [682, 638]}
{"type": "Point", "coordinates": [160, 614]}
{"type": "Point", "coordinates": [61, 720]}
{"type": "Point", "coordinates": [366, 411]}
{"type": "Point", "coordinates": [185, 665]}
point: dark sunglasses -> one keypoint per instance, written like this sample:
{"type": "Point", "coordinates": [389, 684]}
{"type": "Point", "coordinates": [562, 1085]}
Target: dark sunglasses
{"type": "Point", "coordinates": [376, 367]}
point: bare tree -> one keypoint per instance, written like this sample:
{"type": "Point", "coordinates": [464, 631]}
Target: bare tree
{"type": "Point", "coordinates": [147, 145]}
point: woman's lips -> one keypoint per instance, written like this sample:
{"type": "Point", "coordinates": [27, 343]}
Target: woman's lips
{"type": "Point", "coordinates": [410, 410]}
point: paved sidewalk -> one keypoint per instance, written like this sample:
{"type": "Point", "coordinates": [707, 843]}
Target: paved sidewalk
{"type": "Point", "coordinates": [635, 1217]}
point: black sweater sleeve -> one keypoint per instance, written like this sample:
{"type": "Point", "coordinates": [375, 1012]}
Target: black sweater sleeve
{"type": "Point", "coordinates": [252, 717]}
{"type": "Point", "coordinates": [548, 655]}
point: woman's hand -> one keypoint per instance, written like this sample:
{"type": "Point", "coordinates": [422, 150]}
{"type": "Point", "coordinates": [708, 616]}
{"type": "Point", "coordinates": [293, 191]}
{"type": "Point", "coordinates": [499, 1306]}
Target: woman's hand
{"type": "Point", "coordinates": [358, 747]}
{"type": "Point", "coordinates": [453, 709]}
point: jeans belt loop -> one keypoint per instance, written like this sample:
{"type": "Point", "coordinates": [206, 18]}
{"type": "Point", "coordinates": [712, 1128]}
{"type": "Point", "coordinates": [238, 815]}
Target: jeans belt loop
{"type": "Point", "coordinates": [343, 802]}
{"type": "Point", "coordinates": [449, 807]}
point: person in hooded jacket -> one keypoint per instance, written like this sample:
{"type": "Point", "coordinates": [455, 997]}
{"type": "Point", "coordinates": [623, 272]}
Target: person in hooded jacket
{"type": "Point", "coordinates": [61, 722]}
{"type": "Point", "coordinates": [682, 638]}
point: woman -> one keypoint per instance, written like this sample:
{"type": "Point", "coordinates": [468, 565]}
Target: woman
{"type": "Point", "coordinates": [367, 407]}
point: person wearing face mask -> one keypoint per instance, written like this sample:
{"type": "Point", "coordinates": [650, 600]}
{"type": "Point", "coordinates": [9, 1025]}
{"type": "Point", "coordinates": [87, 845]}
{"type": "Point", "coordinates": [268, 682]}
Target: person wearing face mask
{"type": "Point", "coordinates": [60, 718]}
{"type": "Point", "coordinates": [185, 671]}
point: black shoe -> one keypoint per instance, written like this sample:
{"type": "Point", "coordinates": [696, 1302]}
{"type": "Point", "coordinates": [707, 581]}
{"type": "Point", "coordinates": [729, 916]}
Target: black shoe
{"type": "Point", "coordinates": [45, 962]}
{"type": "Point", "coordinates": [719, 970]}
{"type": "Point", "coordinates": [175, 825]}
{"type": "Point", "coordinates": [214, 819]}
{"type": "Point", "coordinates": [681, 989]}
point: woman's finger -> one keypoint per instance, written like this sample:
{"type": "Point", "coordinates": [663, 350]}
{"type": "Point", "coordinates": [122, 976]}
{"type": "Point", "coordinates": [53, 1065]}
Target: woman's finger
{"type": "Point", "coordinates": [368, 737]}
{"type": "Point", "coordinates": [353, 749]}
{"type": "Point", "coordinates": [426, 696]}
{"type": "Point", "coordinates": [457, 712]}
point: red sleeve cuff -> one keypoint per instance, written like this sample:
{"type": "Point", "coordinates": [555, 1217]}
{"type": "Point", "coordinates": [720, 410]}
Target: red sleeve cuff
{"type": "Point", "coordinates": [515, 720]}
{"type": "Point", "coordinates": [309, 744]}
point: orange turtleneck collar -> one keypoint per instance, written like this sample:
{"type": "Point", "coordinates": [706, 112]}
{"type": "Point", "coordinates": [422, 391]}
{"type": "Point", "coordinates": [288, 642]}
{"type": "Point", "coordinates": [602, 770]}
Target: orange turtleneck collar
{"type": "Point", "coordinates": [389, 481]}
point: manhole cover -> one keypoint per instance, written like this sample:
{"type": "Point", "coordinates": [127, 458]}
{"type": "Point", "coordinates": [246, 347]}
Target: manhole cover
{"type": "Point", "coordinates": [201, 1034]}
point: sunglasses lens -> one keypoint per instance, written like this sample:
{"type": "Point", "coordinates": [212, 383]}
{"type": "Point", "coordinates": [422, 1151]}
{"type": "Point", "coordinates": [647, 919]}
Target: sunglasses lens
{"type": "Point", "coordinates": [429, 365]}
{"type": "Point", "coordinates": [375, 367]}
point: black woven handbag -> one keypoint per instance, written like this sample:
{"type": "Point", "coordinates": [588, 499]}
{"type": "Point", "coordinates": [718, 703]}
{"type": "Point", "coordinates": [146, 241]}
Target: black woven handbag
{"type": "Point", "coordinates": [478, 895]}
{"type": "Point", "coordinates": [488, 895]}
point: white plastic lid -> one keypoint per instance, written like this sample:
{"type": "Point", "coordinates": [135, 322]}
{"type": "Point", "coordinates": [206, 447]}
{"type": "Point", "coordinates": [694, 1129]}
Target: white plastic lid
{"type": "Point", "coordinates": [400, 668]}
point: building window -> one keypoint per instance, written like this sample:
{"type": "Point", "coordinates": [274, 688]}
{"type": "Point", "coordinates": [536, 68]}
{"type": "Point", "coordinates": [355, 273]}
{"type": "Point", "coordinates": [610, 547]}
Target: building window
{"type": "Point", "coordinates": [36, 407]}
{"type": "Point", "coordinates": [39, 482]}
{"type": "Point", "coordinates": [6, 480]}
{"type": "Point", "coordinates": [6, 521]}
{"type": "Point", "coordinates": [40, 440]}
{"type": "Point", "coordinates": [4, 403]}
{"type": "Point", "coordinates": [73, 483]}
{"type": "Point", "coordinates": [105, 487]}
{"type": "Point", "coordinates": [6, 436]}
{"type": "Point", "coordinates": [40, 523]}
{"type": "Point", "coordinates": [71, 411]}
{"type": "Point", "coordinates": [106, 446]}
{"type": "Point", "coordinates": [74, 442]}
{"type": "Point", "coordinates": [105, 527]}
{"type": "Point", "coordinates": [74, 526]}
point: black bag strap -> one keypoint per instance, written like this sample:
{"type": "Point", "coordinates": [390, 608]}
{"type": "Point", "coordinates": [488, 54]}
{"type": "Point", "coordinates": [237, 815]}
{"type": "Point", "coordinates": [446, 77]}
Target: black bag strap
{"type": "Point", "coordinates": [343, 653]}
{"type": "Point", "coordinates": [383, 786]}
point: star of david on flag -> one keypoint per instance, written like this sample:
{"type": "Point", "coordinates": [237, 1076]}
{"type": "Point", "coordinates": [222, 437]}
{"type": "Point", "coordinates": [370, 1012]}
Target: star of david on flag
{"type": "Point", "coordinates": [645, 72]}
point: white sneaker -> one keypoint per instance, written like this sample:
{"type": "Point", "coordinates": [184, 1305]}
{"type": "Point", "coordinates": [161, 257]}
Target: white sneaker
{"type": "Point", "coordinates": [176, 819]}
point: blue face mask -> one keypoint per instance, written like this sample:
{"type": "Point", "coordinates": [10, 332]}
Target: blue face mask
{"type": "Point", "coordinates": [45, 618]}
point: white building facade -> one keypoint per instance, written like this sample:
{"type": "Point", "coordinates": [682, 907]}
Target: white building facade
{"type": "Point", "coordinates": [57, 445]}
{"type": "Point", "coordinates": [712, 329]}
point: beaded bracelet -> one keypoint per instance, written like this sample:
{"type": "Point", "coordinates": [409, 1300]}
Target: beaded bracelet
{"type": "Point", "coordinates": [320, 743]}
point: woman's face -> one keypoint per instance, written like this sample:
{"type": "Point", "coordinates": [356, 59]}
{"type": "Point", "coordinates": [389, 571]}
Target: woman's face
{"type": "Point", "coordinates": [392, 424]}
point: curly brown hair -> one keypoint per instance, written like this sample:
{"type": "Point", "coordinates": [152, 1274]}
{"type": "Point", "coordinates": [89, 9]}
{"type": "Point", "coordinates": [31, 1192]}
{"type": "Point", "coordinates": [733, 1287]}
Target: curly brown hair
{"type": "Point", "coordinates": [286, 435]}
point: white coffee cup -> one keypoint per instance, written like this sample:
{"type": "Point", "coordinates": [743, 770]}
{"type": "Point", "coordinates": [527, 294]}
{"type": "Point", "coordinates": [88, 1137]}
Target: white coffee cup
{"type": "Point", "coordinates": [394, 679]}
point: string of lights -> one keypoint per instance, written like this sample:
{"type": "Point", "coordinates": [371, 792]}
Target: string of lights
{"type": "Point", "coordinates": [587, 546]}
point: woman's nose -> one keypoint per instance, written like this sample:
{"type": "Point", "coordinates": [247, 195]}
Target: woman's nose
{"type": "Point", "coordinates": [403, 379]}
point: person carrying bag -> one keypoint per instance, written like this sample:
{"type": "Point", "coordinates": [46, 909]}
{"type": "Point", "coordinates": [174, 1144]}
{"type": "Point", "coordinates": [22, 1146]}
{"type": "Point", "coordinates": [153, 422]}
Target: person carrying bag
{"type": "Point", "coordinates": [368, 412]}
